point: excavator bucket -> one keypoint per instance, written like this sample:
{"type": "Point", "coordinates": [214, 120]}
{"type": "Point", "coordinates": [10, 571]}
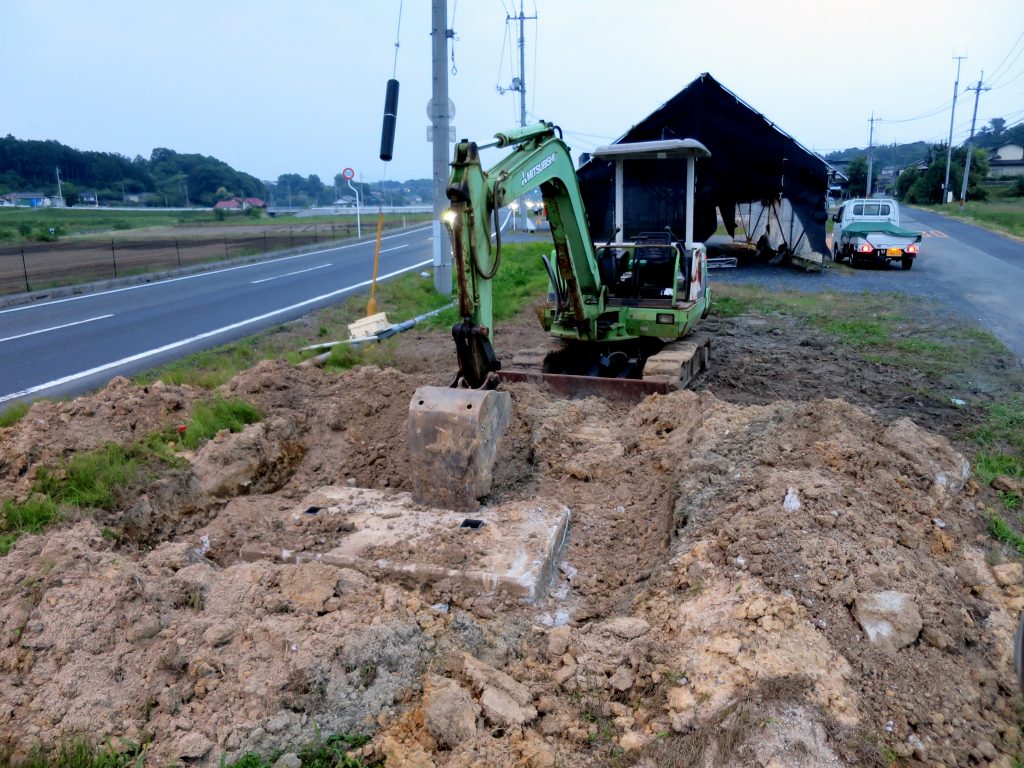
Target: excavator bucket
{"type": "Point", "coordinates": [453, 441]}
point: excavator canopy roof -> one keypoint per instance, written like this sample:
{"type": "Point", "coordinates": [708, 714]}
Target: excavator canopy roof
{"type": "Point", "coordinates": [653, 150]}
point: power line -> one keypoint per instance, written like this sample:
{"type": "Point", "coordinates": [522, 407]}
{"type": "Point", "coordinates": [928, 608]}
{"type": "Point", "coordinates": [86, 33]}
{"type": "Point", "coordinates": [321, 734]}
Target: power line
{"type": "Point", "coordinates": [922, 116]}
{"type": "Point", "coordinates": [995, 72]}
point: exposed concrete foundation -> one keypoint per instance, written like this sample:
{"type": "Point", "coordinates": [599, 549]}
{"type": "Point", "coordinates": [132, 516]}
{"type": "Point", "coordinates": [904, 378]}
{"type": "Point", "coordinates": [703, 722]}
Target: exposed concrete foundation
{"type": "Point", "coordinates": [387, 535]}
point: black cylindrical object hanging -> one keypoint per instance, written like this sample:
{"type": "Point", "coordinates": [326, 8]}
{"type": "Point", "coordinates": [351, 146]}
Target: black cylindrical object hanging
{"type": "Point", "coordinates": [387, 134]}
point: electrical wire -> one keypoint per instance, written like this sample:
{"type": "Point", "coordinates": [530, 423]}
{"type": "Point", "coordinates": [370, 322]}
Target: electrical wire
{"type": "Point", "coordinates": [995, 72]}
{"type": "Point", "coordinates": [398, 36]}
{"type": "Point", "coordinates": [922, 116]}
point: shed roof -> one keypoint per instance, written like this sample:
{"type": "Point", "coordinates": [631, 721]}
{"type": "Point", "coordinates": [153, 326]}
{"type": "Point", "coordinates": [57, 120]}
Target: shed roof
{"type": "Point", "coordinates": [752, 160]}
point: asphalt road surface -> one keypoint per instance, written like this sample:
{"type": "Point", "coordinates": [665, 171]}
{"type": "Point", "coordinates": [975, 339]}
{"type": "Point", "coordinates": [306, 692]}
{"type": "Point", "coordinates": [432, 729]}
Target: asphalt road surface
{"type": "Point", "coordinates": [71, 345]}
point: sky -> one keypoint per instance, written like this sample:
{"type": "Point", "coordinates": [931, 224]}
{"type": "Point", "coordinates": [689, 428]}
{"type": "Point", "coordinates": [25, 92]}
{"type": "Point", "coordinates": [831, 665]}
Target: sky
{"type": "Point", "coordinates": [276, 87]}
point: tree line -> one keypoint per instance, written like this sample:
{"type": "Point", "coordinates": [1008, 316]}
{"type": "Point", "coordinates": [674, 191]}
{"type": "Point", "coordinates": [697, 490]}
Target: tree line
{"type": "Point", "coordinates": [169, 178]}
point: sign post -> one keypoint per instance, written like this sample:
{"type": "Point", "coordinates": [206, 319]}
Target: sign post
{"type": "Point", "coordinates": [348, 174]}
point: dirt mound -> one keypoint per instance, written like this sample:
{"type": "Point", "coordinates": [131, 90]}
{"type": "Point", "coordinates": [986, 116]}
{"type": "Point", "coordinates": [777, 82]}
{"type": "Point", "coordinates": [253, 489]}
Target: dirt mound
{"type": "Point", "coordinates": [119, 413]}
{"type": "Point", "coordinates": [786, 584]}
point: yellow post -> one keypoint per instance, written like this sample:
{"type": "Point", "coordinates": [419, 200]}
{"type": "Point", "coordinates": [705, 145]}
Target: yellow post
{"type": "Point", "coordinates": [371, 306]}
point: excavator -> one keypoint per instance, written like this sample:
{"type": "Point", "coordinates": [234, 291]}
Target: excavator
{"type": "Point", "coordinates": [616, 311]}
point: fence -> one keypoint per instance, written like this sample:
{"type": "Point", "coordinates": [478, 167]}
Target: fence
{"type": "Point", "coordinates": [39, 266]}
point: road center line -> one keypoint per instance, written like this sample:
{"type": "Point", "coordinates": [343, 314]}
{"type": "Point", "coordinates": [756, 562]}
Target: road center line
{"type": "Point", "coordinates": [23, 307]}
{"type": "Point", "coordinates": [397, 247]}
{"type": "Point", "coordinates": [199, 337]}
{"type": "Point", "coordinates": [54, 328]}
{"type": "Point", "coordinates": [289, 274]}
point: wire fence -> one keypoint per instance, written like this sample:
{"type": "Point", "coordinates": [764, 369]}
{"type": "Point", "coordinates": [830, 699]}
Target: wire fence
{"type": "Point", "coordinates": [41, 266]}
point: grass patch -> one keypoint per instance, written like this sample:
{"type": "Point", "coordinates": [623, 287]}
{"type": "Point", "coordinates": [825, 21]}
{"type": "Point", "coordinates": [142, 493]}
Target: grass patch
{"type": "Point", "coordinates": [1001, 531]}
{"type": "Point", "coordinates": [323, 753]}
{"type": "Point", "coordinates": [1005, 215]}
{"type": "Point", "coordinates": [31, 516]}
{"type": "Point", "coordinates": [885, 328]}
{"type": "Point", "coordinates": [210, 417]}
{"type": "Point", "coordinates": [100, 479]}
{"type": "Point", "coordinates": [13, 414]}
{"type": "Point", "coordinates": [79, 753]}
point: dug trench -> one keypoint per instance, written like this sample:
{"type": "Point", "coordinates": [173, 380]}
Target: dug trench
{"type": "Point", "coordinates": [757, 573]}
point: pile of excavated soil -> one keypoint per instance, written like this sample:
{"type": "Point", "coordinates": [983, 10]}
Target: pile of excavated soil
{"type": "Point", "coordinates": [797, 583]}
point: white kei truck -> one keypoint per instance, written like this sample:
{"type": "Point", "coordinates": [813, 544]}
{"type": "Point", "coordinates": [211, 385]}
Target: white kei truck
{"type": "Point", "coordinates": [868, 231]}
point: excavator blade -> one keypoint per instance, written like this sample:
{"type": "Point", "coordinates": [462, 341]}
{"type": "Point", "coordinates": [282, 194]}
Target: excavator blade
{"type": "Point", "coordinates": [453, 441]}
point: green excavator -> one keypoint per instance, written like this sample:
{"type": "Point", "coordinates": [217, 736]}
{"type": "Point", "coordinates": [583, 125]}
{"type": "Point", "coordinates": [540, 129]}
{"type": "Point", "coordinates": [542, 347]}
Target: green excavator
{"type": "Point", "coordinates": [616, 311]}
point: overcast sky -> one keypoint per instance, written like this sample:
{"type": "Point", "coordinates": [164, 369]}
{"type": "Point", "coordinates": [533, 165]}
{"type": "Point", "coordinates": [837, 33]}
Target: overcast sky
{"type": "Point", "coordinates": [277, 87]}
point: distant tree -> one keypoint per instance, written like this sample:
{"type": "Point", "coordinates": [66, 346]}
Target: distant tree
{"type": "Point", "coordinates": [857, 173]}
{"type": "Point", "coordinates": [927, 186]}
{"type": "Point", "coordinates": [905, 181]}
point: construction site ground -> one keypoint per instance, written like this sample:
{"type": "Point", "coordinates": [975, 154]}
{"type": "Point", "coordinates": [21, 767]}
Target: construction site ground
{"type": "Point", "coordinates": [786, 566]}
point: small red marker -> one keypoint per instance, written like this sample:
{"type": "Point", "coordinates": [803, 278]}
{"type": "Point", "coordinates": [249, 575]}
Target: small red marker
{"type": "Point", "coordinates": [181, 428]}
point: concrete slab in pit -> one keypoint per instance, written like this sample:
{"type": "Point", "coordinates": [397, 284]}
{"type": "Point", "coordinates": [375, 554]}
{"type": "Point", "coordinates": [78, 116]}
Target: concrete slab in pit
{"type": "Point", "coordinates": [388, 535]}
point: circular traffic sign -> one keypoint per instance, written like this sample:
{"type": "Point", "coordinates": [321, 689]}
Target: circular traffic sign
{"type": "Point", "coordinates": [348, 174]}
{"type": "Point", "coordinates": [431, 111]}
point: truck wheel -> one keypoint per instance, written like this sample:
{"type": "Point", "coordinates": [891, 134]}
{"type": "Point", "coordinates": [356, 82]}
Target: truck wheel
{"type": "Point", "coordinates": [837, 252]}
{"type": "Point", "coordinates": [907, 262]}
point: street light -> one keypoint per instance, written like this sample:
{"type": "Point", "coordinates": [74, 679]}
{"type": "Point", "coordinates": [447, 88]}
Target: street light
{"type": "Point", "coordinates": [513, 206]}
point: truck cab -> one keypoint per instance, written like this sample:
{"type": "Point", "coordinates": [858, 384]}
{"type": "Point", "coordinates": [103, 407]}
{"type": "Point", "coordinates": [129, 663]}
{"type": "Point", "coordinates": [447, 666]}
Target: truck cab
{"type": "Point", "coordinates": [868, 230]}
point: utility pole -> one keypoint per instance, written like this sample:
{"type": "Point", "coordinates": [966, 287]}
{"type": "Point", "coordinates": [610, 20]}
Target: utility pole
{"type": "Point", "coordinates": [970, 141]}
{"type": "Point", "coordinates": [60, 193]}
{"type": "Point", "coordinates": [946, 197]}
{"type": "Point", "coordinates": [871, 154]}
{"type": "Point", "coordinates": [519, 83]}
{"type": "Point", "coordinates": [439, 118]}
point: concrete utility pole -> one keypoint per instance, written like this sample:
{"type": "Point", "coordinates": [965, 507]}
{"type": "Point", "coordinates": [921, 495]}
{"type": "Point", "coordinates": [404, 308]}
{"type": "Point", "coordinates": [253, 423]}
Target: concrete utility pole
{"type": "Point", "coordinates": [970, 141]}
{"type": "Point", "coordinates": [439, 118]}
{"type": "Point", "coordinates": [871, 154]}
{"type": "Point", "coordinates": [519, 83]}
{"type": "Point", "coordinates": [946, 197]}
{"type": "Point", "coordinates": [60, 193]}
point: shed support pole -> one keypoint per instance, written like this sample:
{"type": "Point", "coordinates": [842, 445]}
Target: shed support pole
{"type": "Point", "coordinates": [619, 226]}
{"type": "Point", "coordinates": [690, 162]}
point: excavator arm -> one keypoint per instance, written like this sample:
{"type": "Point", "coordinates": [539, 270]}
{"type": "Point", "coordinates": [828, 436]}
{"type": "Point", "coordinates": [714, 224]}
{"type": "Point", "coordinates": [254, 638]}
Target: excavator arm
{"type": "Point", "coordinates": [540, 160]}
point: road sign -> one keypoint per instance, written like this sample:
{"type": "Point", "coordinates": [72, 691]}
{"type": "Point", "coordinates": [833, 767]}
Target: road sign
{"type": "Point", "coordinates": [348, 174]}
{"type": "Point", "coordinates": [431, 111]}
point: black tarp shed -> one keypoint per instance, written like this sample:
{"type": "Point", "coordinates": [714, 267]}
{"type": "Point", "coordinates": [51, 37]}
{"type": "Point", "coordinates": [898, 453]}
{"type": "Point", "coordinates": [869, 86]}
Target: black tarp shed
{"type": "Point", "coordinates": [756, 173]}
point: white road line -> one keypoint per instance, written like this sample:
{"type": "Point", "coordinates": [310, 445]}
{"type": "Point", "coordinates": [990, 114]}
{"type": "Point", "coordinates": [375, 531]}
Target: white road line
{"type": "Point", "coordinates": [289, 274]}
{"type": "Point", "coordinates": [54, 328]}
{"type": "Point", "coordinates": [397, 247]}
{"type": "Point", "coordinates": [201, 274]}
{"type": "Point", "coordinates": [199, 337]}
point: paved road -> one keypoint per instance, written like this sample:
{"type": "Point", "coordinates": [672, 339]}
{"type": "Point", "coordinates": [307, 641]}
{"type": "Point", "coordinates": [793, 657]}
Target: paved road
{"type": "Point", "coordinates": [70, 345]}
{"type": "Point", "coordinates": [975, 273]}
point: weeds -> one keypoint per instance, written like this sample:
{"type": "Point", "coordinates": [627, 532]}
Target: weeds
{"type": "Point", "coordinates": [31, 516]}
{"type": "Point", "coordinates": [79, 753]}
{"type": "Point", "coordinates": [1001, 531]}
{"type": "Point", "coordinates": [322, 753]}
{"type": "Point", "coordinates": [210, 417]}
{"type": "Point", "coordinates": [98, 479]}
{"type": "Point", "coordinates": [13, 414]}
